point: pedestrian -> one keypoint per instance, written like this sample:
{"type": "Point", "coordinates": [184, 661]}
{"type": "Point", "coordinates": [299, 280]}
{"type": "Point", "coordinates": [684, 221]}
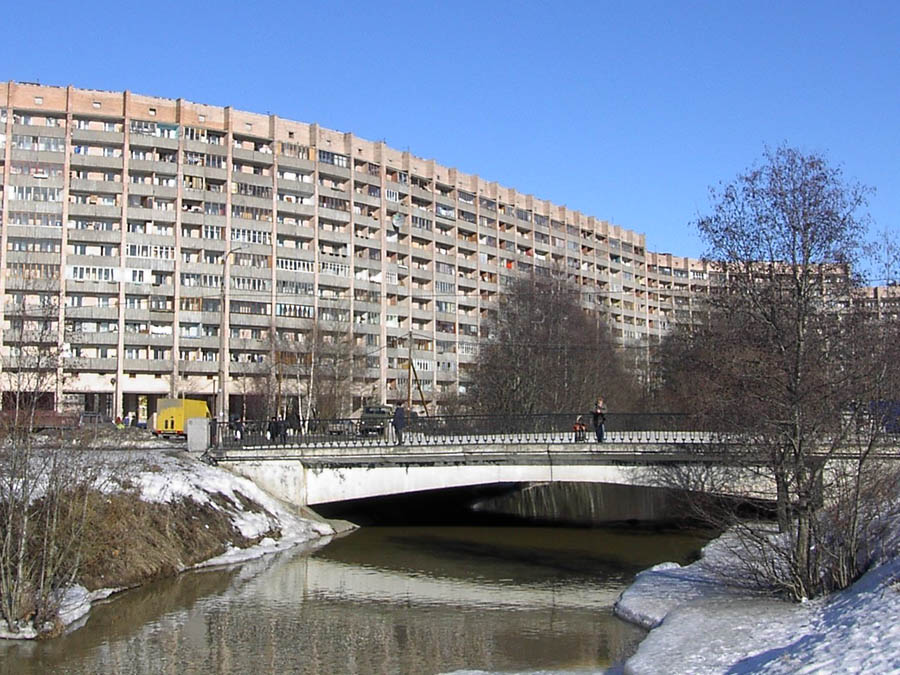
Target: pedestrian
{"type": "Point", "coordinates": [598, 417]}
{"type": "Point", "coordinates": [272, 431]}
{"type": "Point", "coordinates": [293, 422]}
{"type": "Point", "coordinates": [281, 428]}
{"type": "Point", "coordinates": [399, 422]}
{"type": "Point", "coordinates": [579, 428]}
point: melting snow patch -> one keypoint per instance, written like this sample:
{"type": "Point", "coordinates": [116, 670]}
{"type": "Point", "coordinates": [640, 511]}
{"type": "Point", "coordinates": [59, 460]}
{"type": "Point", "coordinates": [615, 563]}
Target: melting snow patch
{"type": "Point", "coordinates": [701, 626]}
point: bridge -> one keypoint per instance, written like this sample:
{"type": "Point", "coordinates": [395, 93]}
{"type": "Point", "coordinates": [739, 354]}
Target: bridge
{"type": "Point", "coordinates": [335, 463]}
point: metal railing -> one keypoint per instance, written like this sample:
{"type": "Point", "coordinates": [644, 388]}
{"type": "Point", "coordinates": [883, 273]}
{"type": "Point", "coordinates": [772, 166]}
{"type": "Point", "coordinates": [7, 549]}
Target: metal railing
{"type": "Point", "coordinates": [457, 430]}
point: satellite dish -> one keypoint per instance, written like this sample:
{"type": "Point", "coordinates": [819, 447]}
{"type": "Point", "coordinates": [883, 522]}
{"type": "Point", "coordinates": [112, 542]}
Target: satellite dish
{"type": "Point", "coordinates": [397, 220]}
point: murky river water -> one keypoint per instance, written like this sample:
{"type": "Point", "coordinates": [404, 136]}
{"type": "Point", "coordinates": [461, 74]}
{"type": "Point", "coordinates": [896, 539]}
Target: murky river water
{"type": "Point", "coordinates": [381, 600]}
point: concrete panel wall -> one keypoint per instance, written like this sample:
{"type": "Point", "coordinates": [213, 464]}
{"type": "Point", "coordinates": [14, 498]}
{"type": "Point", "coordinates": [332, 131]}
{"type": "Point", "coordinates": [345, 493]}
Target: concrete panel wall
{"type": "Point", "coordinates": [291, 481]}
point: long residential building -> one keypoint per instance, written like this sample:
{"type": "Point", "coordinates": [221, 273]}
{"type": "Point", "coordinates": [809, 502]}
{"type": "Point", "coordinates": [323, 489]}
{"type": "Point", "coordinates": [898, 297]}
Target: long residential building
{"type": "Point", "coordinates": [166, 248]}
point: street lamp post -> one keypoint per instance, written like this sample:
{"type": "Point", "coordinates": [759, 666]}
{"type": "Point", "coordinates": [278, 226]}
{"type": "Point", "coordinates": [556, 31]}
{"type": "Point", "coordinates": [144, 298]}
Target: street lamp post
{"type": "Point", "coordinates": [222, 397]}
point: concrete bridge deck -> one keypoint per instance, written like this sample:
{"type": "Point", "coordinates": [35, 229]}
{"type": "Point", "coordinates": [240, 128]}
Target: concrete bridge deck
{"type": "Point", "coordinates": [326, 470]}
{"type": "Point", "coordinates": [314, 473]}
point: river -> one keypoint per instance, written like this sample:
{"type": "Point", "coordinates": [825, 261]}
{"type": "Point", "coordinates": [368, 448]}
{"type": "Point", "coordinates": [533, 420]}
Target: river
{"type": "Point", "coordinates": [398, 599]}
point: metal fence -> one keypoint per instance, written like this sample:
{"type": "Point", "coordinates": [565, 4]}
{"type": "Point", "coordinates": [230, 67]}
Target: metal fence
{"type": "Point", "coordinates": [463, 429]}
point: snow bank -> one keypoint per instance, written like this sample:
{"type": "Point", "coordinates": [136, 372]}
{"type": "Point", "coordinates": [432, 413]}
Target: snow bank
{"type": "Point", "coordinates": [164, 475]}
{"type": "Point", "coordinates": [657, 591]}
{"type": "Point", "coordinates": [171, 476]}
{"type": "Point", "coordinates": [700, 626]}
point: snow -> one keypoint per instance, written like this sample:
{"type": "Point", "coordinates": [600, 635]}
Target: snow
{"type": "Point", "coordinates": [700, 625]}
{"type": "Point", "coordinates": [697, 623]}
{"type": "Point", "coordinates": [172, 476]}
{"type": "Point", "coordinates": [163, 474]}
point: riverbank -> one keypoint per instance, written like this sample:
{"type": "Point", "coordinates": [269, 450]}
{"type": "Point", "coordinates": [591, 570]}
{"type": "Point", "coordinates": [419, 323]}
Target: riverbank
{"type": "Point", "coordinates": [698, 624]}
{"type": "Point", "coordinates": [161, 511]}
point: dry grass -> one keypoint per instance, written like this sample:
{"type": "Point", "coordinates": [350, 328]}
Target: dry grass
{"type": "Point", "coordinates": [128, 541]}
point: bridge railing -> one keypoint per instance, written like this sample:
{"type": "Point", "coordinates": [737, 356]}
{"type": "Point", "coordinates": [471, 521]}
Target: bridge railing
{"type": "Point", "coordinates": [554, 428]}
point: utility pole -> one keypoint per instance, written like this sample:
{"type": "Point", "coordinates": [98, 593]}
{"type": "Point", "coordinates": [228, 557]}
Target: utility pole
{"type": "Point", "coordinates": [409, 367]}
{"type": "Point", "coordinates": [224, 355]}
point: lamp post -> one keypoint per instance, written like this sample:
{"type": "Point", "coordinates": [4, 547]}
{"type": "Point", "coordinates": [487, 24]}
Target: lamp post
{"type": "Point", "coordinates": [222, 398]}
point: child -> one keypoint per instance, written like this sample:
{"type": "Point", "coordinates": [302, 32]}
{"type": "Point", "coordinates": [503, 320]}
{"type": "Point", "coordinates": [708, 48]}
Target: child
{"type": "Point", "coordinates": [580, 428]}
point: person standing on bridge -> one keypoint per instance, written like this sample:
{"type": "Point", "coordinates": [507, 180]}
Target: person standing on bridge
{"type": "Point", "coordinates": [399, 422]}
{"type": "Point", "coordinates": [598, 417]}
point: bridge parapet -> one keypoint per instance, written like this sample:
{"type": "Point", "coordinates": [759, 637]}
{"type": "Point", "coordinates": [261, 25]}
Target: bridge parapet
{"type": "Point", "coordinates": [482, 447]}
{"type": "Point", "coordinates": [434, 429]}
{"type": "Point", "coordinates": [229, 441]}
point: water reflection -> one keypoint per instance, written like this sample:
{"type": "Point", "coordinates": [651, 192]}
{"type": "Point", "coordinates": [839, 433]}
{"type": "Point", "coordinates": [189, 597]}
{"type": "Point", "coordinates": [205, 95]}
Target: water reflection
{"type": "Point", "coordinates": [382, 600]}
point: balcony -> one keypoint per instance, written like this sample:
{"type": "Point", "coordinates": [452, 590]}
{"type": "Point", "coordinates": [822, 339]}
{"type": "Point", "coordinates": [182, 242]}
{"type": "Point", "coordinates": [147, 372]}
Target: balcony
{"type": "Point", "coordinates": [93, 186]}
{"type": "Point", "coordinates": [147, 165]}
{"type": "Point", "coordinates": [250, 201]}
{"type": "Point", "coordinates": [78, 161]}
{"type": "Point", "coordinates": [254, 157]}
{"type": "Point", "coordinates": [105, 338]}
{"type": "Point", "coordinates": [94, 312]}
{"type": "Point", "coordinates": [296, 163]}
{"type": "Point", "coordinates": [334, 215]}
{"type": "Point", "coordinates": [92, 364]}
{"type": "Point", "coordinates": [143, 189]}
{"type": "Point", "coordinates": [148, 141]}
{"type": "Point", "coordinates": [295, 208]}
{"type": "Point", "coordinates": [148, 365]}
{"type": "Point", "coordinates": [96, 211]}
{"type": "Point", "coordinates": [97, 137]}
{"type": "Point", "coordinates": [37, 156]}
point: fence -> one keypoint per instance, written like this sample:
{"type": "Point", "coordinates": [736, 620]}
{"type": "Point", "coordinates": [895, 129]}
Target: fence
{"type": "Point", "coordinates": [433, 430]}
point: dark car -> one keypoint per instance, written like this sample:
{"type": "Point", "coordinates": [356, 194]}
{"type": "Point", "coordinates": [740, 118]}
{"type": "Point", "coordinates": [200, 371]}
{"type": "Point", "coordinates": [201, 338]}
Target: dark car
{"type": "Point", "coordinates": [374, 419]}
{"type": "Point", "coordinates": [887, 413]}
{"type": "Point", "coordinates": [340, 428]}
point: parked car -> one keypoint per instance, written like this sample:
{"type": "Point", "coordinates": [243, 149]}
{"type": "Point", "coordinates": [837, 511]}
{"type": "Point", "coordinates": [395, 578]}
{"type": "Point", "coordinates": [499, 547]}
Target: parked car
{"type": "Point", "coordinates": [887, 413]}
{"type": "Point", "coordinates": [374, 419]}
{"type": "Point", "coordinates": [340, 428]}
{"type": "Point", "coordinates": [38, 420]}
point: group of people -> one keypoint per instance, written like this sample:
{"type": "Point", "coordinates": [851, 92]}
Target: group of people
{"type": "Point", "coordinates": [598, 421]}
{"type": "Point", "coordinates": [277, 428]}
{"type": "Point", "coordinates": [276, 431]}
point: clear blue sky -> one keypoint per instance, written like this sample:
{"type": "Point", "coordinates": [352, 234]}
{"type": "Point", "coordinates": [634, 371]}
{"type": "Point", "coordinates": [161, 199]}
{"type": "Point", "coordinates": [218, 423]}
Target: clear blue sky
{"type": "Point", "coordinates": [627, 111]}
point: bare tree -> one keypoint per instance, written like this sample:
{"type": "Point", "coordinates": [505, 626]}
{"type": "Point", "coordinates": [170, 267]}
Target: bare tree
{"type": "Point", "coordinates": [44, 483]}
{"type": "Point", "coordinates": [790, 361]}
{"type": "Point", "coordinates": [547, 354]}
{"type": "Point", "coordinates": [313, 373]}
{"type": "Point", "coordinates": [884, 255]}
{"type": "Point", "coordinates": [335, 365]}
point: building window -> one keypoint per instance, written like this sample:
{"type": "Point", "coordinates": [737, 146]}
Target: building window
{"type": "Point", "coordinates": [327, 157]}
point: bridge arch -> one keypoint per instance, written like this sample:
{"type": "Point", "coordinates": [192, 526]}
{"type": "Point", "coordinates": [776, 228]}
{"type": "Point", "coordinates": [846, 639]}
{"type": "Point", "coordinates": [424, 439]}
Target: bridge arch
{"type": "Point", "coordinates": [310, 480]}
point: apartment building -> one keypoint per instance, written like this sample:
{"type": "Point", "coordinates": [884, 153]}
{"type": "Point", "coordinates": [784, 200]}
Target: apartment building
{"type": "Point", "coordinates": [173, 244]}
